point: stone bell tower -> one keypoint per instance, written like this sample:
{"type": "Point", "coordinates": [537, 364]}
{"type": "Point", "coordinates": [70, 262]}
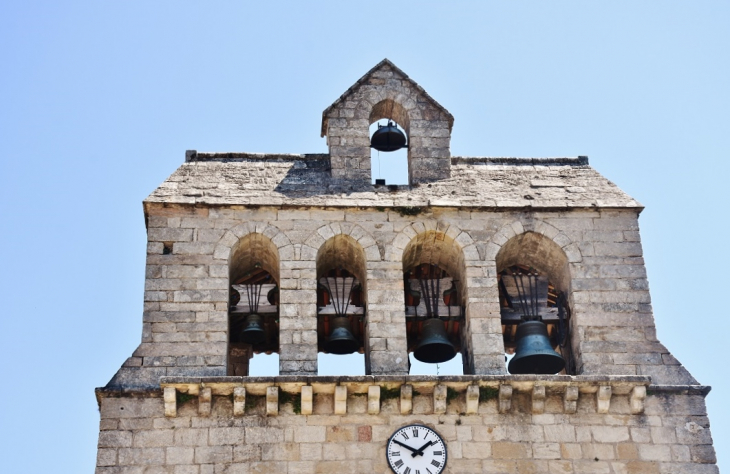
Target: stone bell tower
{"type": "Point", "coordinates": [296, 255]}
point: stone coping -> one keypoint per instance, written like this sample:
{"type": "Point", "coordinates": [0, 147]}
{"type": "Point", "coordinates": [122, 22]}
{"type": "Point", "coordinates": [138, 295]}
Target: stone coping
{"type": "Point", "coordinates": [358, 384]}
{"type": "Point", "coordinates": [621, 384]}
{"type": "Point", "coordinates": [520, 381]}
{"type": "Point", "coordinates": [194, 155]}
{"type": "Point", "coordinates": [501, 387]}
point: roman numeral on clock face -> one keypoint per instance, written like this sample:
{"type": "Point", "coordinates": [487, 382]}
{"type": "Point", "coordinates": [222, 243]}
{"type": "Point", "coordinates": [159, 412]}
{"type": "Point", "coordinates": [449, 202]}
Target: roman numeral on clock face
{"type": "Point", "coordinates": [407, 471]}
{"type": "Point", "coordinates": [415, 432]}
{"type": "Point", "coordinates": [398, 463]}
{"type": "Point", "coordinates": [438, 453]}
{"type": "Point", "coordinates": [435, 463]}
{"type": "Point", "coordinates": [405, 435]}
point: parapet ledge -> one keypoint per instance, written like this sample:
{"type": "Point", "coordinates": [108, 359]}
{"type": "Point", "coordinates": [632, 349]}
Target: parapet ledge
{"type": "Point", "coordinates": [548, 161]}
{"type": "Point", "coordinates": [195, 155]}
{"type": "Point", "coordinates": [621, 384]}
{"type": "Point", "coordinates": [681, 389]}
{"type": "Point", "coordinates": [473, 388]}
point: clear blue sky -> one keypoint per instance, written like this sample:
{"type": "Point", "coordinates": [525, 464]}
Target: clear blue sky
{"type": "Point", "coordinates": [100, 100]}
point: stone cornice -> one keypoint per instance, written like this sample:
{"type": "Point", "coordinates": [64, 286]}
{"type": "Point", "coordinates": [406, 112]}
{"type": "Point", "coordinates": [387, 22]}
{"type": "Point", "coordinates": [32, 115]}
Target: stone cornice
{"type": "Point", "coordinates": [475, 388]}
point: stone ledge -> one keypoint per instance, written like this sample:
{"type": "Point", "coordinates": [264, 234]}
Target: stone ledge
{"type": "Point", "coordinates": [502, 386]}
{"type": "Point", "coordinates": [194, 155]}
{"type": "Point", "coordinates": [681, 389]}
{"type": "Point", "coordinates": [494, 160]}
{"type": "Point", "coordinates": [440, 388]}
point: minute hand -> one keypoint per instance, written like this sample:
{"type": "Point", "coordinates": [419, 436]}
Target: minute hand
{"type": "Point", "coordinates": [419, 451]}
{"type": "Point", "coordinates": [413, 450]}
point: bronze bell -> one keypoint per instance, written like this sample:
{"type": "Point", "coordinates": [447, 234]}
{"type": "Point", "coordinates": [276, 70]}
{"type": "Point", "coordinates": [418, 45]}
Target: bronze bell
{"type": "Point", "coordinates": [341, 340]}
{"type": "Point", "coordinates": [534, 353]}
{"type": "Point", "coordinates": [388, 138]}
{"type": "Point", "coordinates": [434, 346]}
{"type": "Point", "coordinates": [253, 331]}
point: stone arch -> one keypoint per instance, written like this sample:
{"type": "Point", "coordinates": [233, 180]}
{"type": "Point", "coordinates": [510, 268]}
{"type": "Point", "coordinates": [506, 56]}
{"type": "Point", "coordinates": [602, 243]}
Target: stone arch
{"type": "Point", "coordinates": [438, 248]}
{"type": "Point", "coordinates": [541, 252]}
{"type": "Point", "coordinates": [253, 262]}
{"type": "Point", "coordinates": [391, 109]}
{"type": "Point", "coordinates": [559, 243]}
{"type": "Point", "coordinates": [388, 104]}
{"type": "Point", "coordinates": [538, 251]}
{"type": "Point", "coordinates": [435, 247]}
{"type": "Point", "coordinates": [278, 238]}
{"type": "Point", "coordinates": [342, 252]}
{"type": "Point", "coordinates": [317, 239]}
{"type": "Point", "coordinates": [254, 250]}
{"type": "Point", "coordinates": [466, 243]}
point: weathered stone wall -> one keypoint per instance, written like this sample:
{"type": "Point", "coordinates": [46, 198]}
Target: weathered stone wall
{"type": "Point", "coordinates": [559, 425]}
{"type": "Point", "coordinates": [190, 250]}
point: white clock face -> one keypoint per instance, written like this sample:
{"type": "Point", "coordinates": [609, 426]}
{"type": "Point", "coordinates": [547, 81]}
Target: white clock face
{"type": "Point", "coordinates": [416, 449]}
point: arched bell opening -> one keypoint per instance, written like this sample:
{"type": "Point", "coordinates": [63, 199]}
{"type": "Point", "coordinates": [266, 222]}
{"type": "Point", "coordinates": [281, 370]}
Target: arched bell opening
{"type": "Point", "coordinates": [433, 281]}
{"type": "Point", "coordinates": [253, 310]}
{"type": "Point", "coordinates": [389, 137]}
{"type": "Point", "coordinates": [534, 286]}
{"type": "Point", "coordinates": [341, 306]}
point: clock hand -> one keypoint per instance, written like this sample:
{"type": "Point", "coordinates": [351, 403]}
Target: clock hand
{"type": "Point", "coordinates": [406, 446]}
{"type": "Point", "coordinates": [419, 451]}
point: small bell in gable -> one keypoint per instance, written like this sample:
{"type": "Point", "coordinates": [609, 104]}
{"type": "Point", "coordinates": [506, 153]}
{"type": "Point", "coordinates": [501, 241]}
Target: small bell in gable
{"type": "Point", "coordinates": [388, 138]}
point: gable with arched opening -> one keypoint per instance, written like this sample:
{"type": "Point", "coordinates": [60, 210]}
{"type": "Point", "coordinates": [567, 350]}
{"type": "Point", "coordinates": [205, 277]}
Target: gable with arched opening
{"type": "Point", "coordinates": [387, 92]}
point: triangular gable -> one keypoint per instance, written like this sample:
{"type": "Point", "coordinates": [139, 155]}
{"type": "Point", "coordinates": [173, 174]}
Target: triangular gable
{"type": "Point", "coordinates": [385, 62]}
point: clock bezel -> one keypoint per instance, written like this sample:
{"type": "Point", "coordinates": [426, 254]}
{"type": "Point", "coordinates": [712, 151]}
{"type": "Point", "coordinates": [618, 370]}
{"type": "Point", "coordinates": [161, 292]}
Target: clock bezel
{"type": "Point", "coordinates": [436, 433]}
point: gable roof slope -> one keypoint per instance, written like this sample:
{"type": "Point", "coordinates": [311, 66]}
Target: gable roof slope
{"type": "Point", "coordinates": [384, 64]}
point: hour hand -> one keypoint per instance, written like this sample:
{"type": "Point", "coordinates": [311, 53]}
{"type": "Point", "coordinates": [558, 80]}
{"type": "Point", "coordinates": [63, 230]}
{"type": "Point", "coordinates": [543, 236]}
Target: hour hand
{"type": "Point", "coordinates": [413, 450]}
{"type": "Point", "coordinates": [419, 451]}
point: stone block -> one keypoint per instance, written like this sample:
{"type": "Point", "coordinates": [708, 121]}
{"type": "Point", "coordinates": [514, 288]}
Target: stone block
{"type": "Point", "coordinates": [472, 399]}
{"type": "Point", "coordinates": [205, 399]}
{"type": "Point", "coordinates": [476, 450]}
{"type": "Point", "coordinates": [505, 398]}
{"type": "Point", "coordinates": [280, 452]}
{"type": "Point", "coordinates": [373, 399]}
{"type": "Point", "coordinates": [307, 397]}
{"type": "Point", "coordinates": [406, 399]}
{"type": "Point", "coordinates": [538, 399]}
{"type": "Point", "coordinates": [310, 434]}
{"type": "Point", "coordinates": [115, 439]}
{"type": "Point", "coordinates": [239, 401]}
{"type": "Point", "coordinates": [191, 437]}
{"type": "Point", "coordinates": [106, 457]}
{"type": "Point", "coordinates": [649, 452]}
{"type": "Point", "coordinates": [603, 399]}
{"type": "Point", "coordinates": [510, 450]}
{"type": "Point", "coordinates": [213, 454]}
{"type": "Point", "coordinates": [153, 438]}
{"type": "Point", "coordinates": [263, 435]}
{"type": "Point", "coordinates": [570, 399]}
{"type": "Point", "coordinates": [340, 400]}
{"type": "Point", "coordinates": [166, 234]}
{"type": "Point", "coordinates": [179, 455]}
{"type": "Point", "coordinates": [226, 436]}
{"type": "Point", "coordinates": [439, 399]}
{"type": "Point", "coordinates": [272, 401]}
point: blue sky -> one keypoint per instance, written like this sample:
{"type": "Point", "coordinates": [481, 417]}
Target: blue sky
{"type": "Point", "coordinates": [100, 100]}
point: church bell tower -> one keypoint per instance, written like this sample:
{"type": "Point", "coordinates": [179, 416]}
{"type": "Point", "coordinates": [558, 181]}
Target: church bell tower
{"type": "Point", "coordinates": [526, 271]}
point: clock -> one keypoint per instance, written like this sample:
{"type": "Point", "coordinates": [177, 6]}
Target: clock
{"type": "Point", "coordinates": [416, 449]}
